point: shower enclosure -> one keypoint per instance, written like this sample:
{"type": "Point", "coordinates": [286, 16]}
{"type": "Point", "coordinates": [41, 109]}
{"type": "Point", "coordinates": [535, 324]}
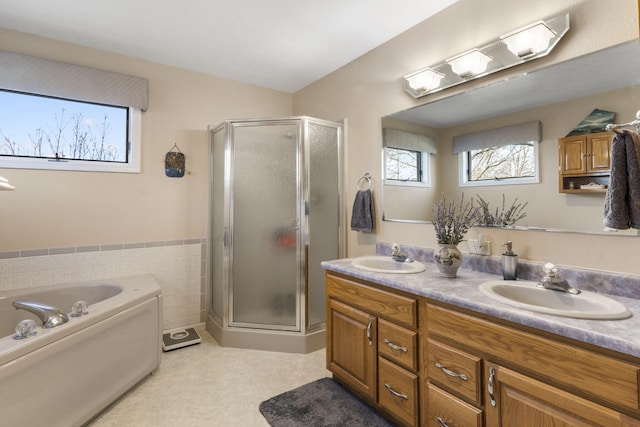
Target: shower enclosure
{"type": "Point", "coordinates": [274, 215]}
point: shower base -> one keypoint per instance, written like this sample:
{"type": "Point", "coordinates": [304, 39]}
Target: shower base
{"type": "Point", "coordinates": [266, 339]}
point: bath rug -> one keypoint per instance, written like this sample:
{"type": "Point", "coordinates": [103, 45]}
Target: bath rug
{"type": "Point", "coordinates": [321, 403]}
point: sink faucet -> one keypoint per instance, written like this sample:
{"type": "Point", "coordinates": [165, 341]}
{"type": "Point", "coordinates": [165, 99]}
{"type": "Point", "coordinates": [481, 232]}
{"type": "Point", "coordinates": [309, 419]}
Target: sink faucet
{"type": "Point", "coordinates": [49, 315]}
{"type": "Point", "coordinates": [397, 255]}
{"type": "Point", "coordinates": [553, 281]}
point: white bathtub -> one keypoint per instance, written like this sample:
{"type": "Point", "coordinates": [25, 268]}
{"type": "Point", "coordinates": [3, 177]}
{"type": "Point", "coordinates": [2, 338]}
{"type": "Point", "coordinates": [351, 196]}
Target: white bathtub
{"type": "Point", "coordinates": [66, 375]}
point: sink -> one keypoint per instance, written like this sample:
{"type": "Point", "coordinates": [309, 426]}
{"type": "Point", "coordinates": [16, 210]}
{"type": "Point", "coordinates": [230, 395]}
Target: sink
{"type": "Point", "coordinates": [386, 264]}
{"type": "Point", "coordinates": [526, 295]}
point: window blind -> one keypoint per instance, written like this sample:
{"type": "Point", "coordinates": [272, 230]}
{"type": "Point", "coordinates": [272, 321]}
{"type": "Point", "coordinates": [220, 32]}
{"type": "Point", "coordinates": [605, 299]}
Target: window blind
{"type": "Point", "coordinates": [408, 141]}
{"type": "Point", "coordinates": [30, 74]}
{"type": "Point", "coordinates": [509, 135]}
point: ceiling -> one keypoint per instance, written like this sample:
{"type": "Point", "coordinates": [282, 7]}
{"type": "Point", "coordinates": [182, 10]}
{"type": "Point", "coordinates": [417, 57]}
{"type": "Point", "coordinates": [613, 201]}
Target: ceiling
{"type": "Point", "coordinates": [279, 44]}
{"type": "Point", "coordinates": [557, 83]}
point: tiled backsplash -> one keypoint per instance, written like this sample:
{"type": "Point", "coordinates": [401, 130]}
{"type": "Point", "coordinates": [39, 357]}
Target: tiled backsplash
{"type": "Point", "coordinates": [179, 266]}
{"type": "Point", "coordinates": [591, 280]}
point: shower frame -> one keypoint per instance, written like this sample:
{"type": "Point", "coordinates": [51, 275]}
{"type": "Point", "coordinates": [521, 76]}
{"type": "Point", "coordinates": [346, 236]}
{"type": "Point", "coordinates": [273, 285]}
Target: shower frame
{"type": "Point", "coordinates": [304, 336]}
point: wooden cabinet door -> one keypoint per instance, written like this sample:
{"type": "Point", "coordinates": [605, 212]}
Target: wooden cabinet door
{"type": "Point", "coordinates": [599, 153]}
{"type": "Point", "coordinates": [572, 155]}
{"type": "Point", "coordinates": [515, 400]}
{"type": "Point", "coordinates": [352, 347]}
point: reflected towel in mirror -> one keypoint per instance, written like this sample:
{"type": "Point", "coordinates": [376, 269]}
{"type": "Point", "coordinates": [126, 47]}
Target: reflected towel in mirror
{"type": "Point", "coordinates": [622, 201]}
{"type": "Point", "coordinates": [363, 214]}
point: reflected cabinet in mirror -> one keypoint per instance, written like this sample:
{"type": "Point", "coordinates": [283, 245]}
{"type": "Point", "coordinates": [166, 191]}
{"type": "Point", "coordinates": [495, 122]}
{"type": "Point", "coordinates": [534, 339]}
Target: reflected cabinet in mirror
{"type": "Point", "coordinates": [558, 98]}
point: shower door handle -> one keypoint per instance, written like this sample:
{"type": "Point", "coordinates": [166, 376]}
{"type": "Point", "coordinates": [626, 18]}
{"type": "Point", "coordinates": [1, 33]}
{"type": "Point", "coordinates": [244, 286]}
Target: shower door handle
{"type": "Point", "coordinates": [295, 224]}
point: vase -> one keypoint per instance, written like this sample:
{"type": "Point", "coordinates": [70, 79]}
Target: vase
{"type": "Point", "coordinates": [448, 259]}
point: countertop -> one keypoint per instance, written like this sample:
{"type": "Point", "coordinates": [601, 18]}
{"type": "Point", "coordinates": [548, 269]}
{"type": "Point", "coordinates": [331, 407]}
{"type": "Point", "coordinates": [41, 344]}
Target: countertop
{"type": "Point", "coordinates": [619, 335]}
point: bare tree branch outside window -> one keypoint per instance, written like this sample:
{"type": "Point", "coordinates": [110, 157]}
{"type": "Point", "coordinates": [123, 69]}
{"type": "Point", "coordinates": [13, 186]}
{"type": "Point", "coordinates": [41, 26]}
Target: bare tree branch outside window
{"type": "Point", "coordinates": [402, 165]}
{"type": "Point", "coordinates": [510, 161]}
{"type": "Point", "coordinates": [41, 127]}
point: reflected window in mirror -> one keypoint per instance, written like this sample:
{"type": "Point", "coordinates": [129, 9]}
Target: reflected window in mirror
{"type": "Point", "coordinates": [507, 164]}
{"type": "Point", "coordinates": [405, 167]}
{"type": "Point", "coordinates": [502, 156]}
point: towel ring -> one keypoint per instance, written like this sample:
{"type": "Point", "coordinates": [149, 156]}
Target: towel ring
{"type": "Point", "coordinates": [365, 179]}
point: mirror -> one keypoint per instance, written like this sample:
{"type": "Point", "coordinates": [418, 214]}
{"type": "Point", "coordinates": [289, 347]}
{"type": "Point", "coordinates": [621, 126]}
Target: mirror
{"type": "Point", "coordinates": [559, 96]}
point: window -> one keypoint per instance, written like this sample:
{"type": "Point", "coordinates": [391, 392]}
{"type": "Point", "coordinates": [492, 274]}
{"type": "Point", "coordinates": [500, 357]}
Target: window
{"type": "Point", "coordinates": [406, 157]}
{"type": "Point", "coordinates": [503, 156]}
{"type": "Point", "coordinates": [40, 132]}
{"type": "Point", "coordinates": [405, 167]}
{"type": "Point", "coordinates": [504, 165]}
{"type": "Point", "coordinates": [55, 115]}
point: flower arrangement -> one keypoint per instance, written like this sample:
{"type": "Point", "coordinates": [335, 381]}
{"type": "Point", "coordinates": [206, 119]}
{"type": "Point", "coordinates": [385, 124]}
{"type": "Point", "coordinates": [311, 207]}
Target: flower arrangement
{"type": "Point", "coordinates": [501, 218]}
{"type": "Point", "coordinates": [452, 221]}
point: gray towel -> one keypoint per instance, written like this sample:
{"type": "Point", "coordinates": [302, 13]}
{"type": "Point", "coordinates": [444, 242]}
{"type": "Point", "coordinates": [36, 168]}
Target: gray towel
{"type": "Point", "coordinates": [622, 202]}
{"type": "Point", "coordinates": [363, 214]}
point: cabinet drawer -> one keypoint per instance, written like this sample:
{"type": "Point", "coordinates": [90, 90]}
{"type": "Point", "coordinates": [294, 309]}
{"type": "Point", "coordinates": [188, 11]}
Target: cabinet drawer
{"type": "Point", "coordinates": [448, 409]}
{"type": "Point", "coordinates": [572, 367]}
{"type": "Point", "coordinates": [384, 304]}
{"type": "Point", "coordinates": [455, 370]}
{"type": "Point", "coordinates": [398, 344]}
{"type": "Point", "coordinates": [398, 391]}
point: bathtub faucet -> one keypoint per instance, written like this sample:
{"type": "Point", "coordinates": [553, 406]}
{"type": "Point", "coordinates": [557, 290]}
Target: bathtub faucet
{"type": "Point", "coordinates": [49, 315]}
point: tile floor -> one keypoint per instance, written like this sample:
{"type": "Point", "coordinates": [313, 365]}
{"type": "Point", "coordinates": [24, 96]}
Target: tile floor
{"type": "Point", "coordinates": [209, 385]}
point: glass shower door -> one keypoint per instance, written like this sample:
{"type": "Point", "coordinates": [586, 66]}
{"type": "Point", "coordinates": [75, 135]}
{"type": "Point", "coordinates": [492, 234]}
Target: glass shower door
{"type": "Point", "coordinates": [265, 215]}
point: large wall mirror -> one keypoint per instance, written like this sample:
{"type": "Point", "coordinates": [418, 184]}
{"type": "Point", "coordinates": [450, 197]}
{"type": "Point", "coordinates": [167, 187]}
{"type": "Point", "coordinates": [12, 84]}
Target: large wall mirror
{"type": "Point", "coordinates": [559, 97]}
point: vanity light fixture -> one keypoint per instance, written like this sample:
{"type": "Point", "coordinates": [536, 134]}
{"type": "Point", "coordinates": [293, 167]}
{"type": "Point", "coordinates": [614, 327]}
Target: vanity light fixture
{"type": "Point", "coordinates": [427, 79]}
{"type": "Point", "coordinates": [529, 40]}
{"type": "Point", "coordinates": [514, 48]}
{"type": "Point", "coordinates": [469, 64]}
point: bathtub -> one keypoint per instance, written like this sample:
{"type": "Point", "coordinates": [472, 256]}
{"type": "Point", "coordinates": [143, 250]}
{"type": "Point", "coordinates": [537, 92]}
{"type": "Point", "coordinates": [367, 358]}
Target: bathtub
{"type": "Point", "coordinates": [64, 376]}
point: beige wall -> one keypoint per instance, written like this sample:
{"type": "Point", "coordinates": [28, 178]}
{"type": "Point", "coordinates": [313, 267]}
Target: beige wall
{"type": "Point", "coordinates": [52, 209]}
{"type": "Point", "coordinates": [370, 87]}
{"type": "Point", "coordinates": [58, 209]}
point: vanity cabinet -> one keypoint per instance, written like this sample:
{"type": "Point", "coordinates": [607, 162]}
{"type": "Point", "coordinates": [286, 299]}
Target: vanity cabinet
{"type": "Point", "coordinates": [372, 345]}
{"type": "Point", "coordinates": [528, 378]}
{"type": "Point", "coordinates": [519, 397]}
{"type": "Point", "coordinates": [583, 159]}
{"type": "Point", "coordinates": [427, 363]}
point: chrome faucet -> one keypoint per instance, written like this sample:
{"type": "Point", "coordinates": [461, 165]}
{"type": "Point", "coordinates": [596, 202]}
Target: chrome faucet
{"type": "Point", "coordinates": [49, 315]}
{"type": "Point", "coordinates": [397, 254]}
{"type": "Point", "coordinates": [554, 282]}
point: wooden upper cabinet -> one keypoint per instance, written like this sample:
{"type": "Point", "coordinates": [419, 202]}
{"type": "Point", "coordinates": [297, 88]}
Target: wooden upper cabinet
{"type": "Point", "coordinates": [583, 154]}
{"type": "Point", "coordinates": [583, 159]}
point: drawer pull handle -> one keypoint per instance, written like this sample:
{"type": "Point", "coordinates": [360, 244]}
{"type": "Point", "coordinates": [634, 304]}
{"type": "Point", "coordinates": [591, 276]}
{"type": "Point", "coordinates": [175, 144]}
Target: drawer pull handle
{"type": "Point", "coordinates": [441, 421]}
{"type": "Point", "coordinates": [369, 332]}
{"type": "Point", "coordinates": [492, 374]}
{"type": "Point", "coordinates": [395, 346]}
{"type": "Point", "coordinates": [449, 372]}
{"type": "Point", "coordinates": [395, 393]}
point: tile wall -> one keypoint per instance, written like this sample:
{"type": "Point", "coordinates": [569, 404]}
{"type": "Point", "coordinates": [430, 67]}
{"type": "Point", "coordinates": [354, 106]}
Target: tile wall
{"type": "Point", "coordinates": [179, 266]}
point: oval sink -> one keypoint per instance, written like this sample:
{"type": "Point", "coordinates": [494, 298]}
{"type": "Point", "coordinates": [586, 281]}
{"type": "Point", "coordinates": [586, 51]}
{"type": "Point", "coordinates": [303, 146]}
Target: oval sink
{"type": "Point", "coordinates": [386, 264]}
{"type": "Point", "coordinates": [526, 295]}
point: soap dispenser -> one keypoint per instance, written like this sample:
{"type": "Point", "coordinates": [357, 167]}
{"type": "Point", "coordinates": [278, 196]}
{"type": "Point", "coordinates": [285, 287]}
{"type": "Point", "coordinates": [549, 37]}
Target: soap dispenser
{"type": "Point", "coordinates": [509, 263]}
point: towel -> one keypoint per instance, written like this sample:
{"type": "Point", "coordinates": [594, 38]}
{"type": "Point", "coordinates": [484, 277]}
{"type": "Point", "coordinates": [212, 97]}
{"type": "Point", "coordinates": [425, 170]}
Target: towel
{"type": "Point", "coordinates": [363, 214]}
{"type": "Point", "coordinates": [622, 201]}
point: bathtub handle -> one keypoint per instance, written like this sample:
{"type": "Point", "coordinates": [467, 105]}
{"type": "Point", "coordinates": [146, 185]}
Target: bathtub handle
{"type": "Point", "coordinates": [79, 309]}
{"type": "Point", "coordinates": [25, 329]}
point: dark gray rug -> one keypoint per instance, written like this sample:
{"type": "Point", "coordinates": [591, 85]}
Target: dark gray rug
{"type": "Point", "coordinates": [322, 403]}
